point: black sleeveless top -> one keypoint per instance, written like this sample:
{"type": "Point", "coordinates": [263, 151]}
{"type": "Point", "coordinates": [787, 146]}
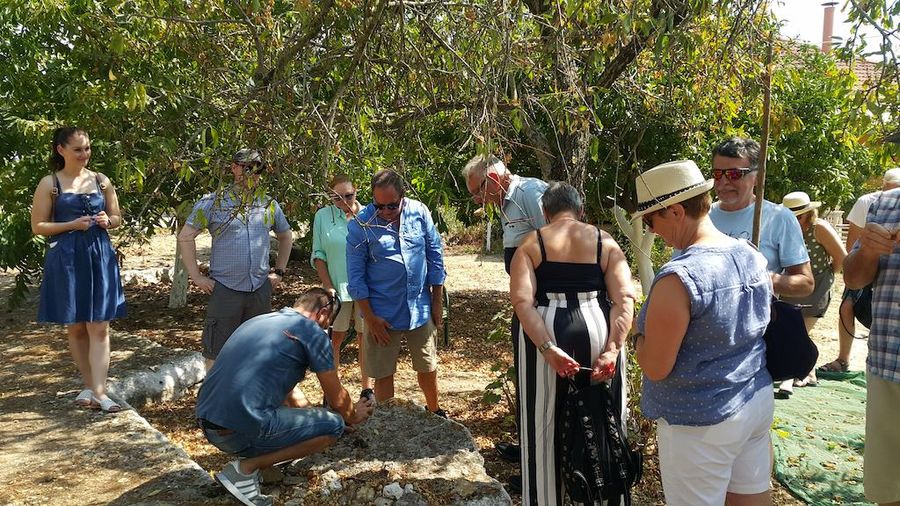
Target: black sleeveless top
{"type": "Point", "coordinates": [568, 277]}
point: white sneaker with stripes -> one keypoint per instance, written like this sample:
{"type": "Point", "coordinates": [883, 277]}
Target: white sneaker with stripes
{"type": "Point", "coordinates": [242, 486]}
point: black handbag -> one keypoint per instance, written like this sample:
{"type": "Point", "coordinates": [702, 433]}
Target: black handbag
{"type": "Point", "coordinates": [597, 461]}
{"type": "Point", "coordinates": [790, 353]}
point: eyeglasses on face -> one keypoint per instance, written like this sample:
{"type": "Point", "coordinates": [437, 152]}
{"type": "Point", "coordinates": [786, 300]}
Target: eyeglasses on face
{"type": "Point", "coordinates": [393, 206]}
{"type": "Point", "coordinates": [648, 218]}
{"type": "Point", "coordinates": [480, 189]}
{"type": "Point", "coordinates": [731, 174]}
{"type": "Point", "coordinates": [347, 197]}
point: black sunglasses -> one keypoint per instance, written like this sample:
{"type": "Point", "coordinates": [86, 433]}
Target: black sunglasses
{"type": "Point", "coordinates": [347, 197]}
{"type": "Point", "coordinates": [335, 304]}
{"type": "Point", "coordinates": [393, 206]}
{"type": "Point", "coordinates": [254, 168]}
{"type": "Point", "coordinates": [88, 206]}
{"type": "Point", "coordinates": [648, 218]}
{"type": "Point", "coordinates": [481, 187]}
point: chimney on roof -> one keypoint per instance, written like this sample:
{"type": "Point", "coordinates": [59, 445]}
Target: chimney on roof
{"type": "Point", "coordinates": [828, 26]}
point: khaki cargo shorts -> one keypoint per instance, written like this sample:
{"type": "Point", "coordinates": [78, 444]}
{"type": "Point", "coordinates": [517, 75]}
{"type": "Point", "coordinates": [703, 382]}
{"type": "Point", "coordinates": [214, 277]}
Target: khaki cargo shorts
{"type": "Point", "coordinates": [381, 360]}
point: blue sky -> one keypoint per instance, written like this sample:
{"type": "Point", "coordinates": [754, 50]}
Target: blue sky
{"type": "Point", "coordinates": [803, 20]}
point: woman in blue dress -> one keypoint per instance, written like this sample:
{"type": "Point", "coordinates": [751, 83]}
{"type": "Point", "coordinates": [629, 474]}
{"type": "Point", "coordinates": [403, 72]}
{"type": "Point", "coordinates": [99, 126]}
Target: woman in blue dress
{"type": "Point", "coordinates": [81, 289]}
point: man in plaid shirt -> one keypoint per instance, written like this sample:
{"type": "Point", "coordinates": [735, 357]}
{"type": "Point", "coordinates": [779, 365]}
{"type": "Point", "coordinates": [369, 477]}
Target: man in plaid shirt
{"type": "Point", "coordinates": [876, 257]}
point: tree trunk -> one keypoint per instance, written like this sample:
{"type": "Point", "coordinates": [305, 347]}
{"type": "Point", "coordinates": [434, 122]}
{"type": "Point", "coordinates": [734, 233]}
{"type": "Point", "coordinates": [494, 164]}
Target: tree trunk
{"type": "Point", "coordinates": [178, 293]}
{"type": "Point", "coordinates": [641, 246]}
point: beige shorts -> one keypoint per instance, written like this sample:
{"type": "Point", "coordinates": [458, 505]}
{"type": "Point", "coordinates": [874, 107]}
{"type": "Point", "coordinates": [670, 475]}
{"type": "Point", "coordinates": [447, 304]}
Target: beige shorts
{"type": "Point", "coordinates": [349, 311]}
{"type": "Point", "coordinates": [881, 474]}
{"type": "Point", "coordinates": [381, 360]}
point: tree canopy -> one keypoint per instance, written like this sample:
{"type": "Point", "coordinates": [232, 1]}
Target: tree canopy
{"type": "Point", "coordinates": [588, 91]}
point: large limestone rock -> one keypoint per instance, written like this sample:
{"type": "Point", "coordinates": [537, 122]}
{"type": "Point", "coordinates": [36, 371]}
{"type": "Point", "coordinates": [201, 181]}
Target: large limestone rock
{"type": "Point", "coordinates": [402, 455]}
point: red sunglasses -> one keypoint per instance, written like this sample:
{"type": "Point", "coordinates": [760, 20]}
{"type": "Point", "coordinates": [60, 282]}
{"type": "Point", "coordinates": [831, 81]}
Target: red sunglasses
{"type": "Point", "coordinates": [731, 174]}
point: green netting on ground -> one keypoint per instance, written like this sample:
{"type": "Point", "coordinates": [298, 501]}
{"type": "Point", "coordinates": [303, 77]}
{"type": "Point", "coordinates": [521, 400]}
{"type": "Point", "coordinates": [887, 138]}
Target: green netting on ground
{"type": "Point", "coordinates": [818, 436]}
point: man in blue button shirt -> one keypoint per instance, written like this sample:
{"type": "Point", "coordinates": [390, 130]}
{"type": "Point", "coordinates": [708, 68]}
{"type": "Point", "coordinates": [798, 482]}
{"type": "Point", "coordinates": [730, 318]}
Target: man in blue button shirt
{"type": "Point", "coordinates": [239, 282]}
{"type": "Point", "coordinates": [395, 263]}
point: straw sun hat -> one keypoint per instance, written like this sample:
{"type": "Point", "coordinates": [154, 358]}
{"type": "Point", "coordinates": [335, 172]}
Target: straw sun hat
{"type": "Point", "coordinates": [799, 203]}
{"type": "Point", "coordinates": [669, 184]}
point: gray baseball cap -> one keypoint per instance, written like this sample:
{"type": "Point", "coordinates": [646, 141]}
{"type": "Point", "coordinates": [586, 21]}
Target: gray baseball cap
{"type": "Point", "coordinates": [247, 157]}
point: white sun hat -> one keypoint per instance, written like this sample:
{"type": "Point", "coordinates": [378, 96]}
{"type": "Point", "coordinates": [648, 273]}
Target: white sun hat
{"type": "Point", "coordinates": [799, 203]}
{"type": "Point", "coordinates": [669, 184]}
{"type": "Point", "coordinates": [892, 176]}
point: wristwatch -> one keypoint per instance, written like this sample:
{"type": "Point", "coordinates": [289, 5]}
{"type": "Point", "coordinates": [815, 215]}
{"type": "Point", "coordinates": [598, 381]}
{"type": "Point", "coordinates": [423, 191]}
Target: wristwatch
{"type": "Point", "coordinates": [544, 347]}
{"type": "Point", "coordinates": [278, 271]}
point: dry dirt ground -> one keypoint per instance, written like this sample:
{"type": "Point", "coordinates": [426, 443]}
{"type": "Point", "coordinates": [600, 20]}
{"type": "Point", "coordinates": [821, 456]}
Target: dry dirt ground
{"type": "Point", "coordinates": [38, 382]}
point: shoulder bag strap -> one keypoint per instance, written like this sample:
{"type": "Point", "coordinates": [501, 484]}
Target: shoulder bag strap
{"type": "Point", "coordinates": [54, 192]}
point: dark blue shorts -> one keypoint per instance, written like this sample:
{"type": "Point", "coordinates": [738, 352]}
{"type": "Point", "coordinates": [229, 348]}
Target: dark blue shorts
{"type": "Point", "coordinates": [853, 295]}
{"type": "Point", "coordinates": [288, 427]}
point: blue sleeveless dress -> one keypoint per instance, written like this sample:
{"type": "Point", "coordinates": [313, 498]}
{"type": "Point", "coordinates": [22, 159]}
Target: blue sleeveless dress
{"type": "Point", "coordinates": [81, 276]}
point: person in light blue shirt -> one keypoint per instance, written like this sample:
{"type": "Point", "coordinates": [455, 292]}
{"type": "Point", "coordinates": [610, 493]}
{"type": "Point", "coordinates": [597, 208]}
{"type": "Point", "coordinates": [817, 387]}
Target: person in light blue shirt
{"type": "Point", "coordinates": [735, 162]}
{"type": "Point", "coordinates": [240, 282]}
{"type": "Point", "coordinates": [329, 257]}
{"type": "Point", "coordinates": [518, 198]}
{"type": "Point", "coordinates": [395, 265]}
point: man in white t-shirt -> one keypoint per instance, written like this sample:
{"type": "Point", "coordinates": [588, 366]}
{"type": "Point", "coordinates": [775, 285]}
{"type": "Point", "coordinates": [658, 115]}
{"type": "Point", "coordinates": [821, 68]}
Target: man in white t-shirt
{"type": "Point", "coordinates": [846, 321]}
{"type": "Point", "coordinates": [735, 162]}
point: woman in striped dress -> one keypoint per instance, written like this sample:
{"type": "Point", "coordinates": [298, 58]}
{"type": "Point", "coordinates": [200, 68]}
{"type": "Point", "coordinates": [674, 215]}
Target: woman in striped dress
{"type": "Point", "coordinates": [562, 281]}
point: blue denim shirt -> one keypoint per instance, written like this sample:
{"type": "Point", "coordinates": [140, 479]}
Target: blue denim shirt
{"type": "Point", "coordinates": [722, 360]}
{"type": "Point", "coordinates": [239, 258]}
{"type": "Point", "coordinates": [259, 364]}
{"type": "Point", "coordinates": [395, 271]}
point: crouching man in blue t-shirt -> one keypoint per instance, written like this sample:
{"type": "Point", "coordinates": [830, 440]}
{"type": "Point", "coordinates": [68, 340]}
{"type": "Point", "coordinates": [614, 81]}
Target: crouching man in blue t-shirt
{"type": "Point", "coordinates": [241, 404]}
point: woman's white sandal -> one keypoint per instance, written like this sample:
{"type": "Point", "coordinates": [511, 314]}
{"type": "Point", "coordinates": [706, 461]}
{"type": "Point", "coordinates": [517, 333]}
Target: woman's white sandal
{"type": "Point", "coordinates": [85, 398]}
{"type": "Point", "coordinates": [107, 405]}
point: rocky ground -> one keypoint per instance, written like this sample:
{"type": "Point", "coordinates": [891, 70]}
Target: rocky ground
{"type": "Point", "coordinates": [55, 454]}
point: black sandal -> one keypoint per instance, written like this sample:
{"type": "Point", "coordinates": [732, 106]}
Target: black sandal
{"type": "Point", "coordinates": [836, 365]}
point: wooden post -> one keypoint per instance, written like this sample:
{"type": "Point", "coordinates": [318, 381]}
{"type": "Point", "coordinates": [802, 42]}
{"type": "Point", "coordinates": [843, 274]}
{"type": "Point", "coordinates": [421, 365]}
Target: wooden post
{"type": "Point", "coordinates": [764, 143]}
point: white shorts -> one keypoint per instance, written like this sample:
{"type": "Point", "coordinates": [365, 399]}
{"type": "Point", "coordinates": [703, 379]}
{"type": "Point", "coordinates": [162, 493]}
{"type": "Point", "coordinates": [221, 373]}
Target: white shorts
{"type": "Point", "coordinates": [700, 464]}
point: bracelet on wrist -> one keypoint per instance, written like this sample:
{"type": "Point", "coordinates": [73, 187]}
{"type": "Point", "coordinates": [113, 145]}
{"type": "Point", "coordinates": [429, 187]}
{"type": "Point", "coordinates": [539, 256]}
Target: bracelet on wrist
{"type": "Point", "coordinates": [279, 272]}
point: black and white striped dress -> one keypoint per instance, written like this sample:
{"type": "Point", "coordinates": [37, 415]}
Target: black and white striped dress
{"type": "Point", "coordinates": [571, 298]}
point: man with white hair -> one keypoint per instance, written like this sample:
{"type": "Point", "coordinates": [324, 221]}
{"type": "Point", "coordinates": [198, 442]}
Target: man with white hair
{"type": "Point", "coordinates": [519, 200]}
{"type": "Point", "coordinates": [846, 319]}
